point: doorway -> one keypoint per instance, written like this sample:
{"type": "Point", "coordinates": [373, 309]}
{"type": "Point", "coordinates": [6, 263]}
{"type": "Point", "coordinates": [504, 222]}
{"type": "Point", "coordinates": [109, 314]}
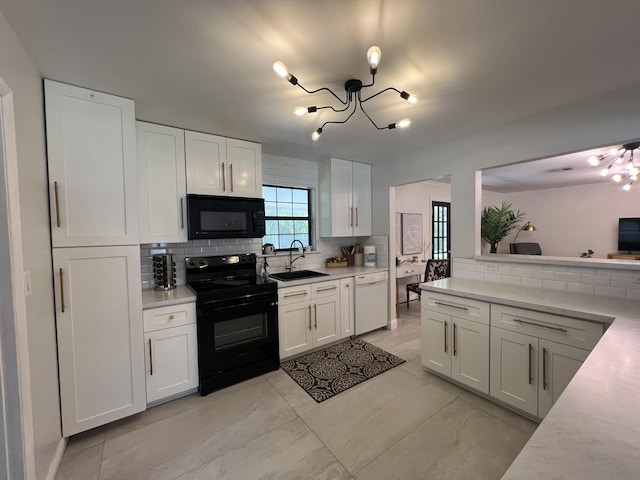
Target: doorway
{"type": "Point", "coordinates": [441, 230]}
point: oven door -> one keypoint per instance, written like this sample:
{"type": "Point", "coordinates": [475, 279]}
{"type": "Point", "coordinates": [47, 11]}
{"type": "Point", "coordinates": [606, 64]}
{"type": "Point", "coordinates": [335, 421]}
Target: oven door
{"type": "Point", "coordinates": [237, 332]}
{"type": "Point", "coordinates": [224, 217]}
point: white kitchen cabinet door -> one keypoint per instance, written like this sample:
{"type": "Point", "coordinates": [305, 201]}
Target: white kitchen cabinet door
{"type": "Point", "coordinates": [295, 328]}
{"type": "Point", "coordinates": [347, 307]}
{"type": "Point", "coordinates": [162, 184]}
{"type": "Point", "coordinates": [558, 364]}
{"type": "Point", "coordinates": [326, 320]}
{"type": "Point", "coordinates": [436, 341]}
{"type": "Point", "coordinates": [361, 188]}
{"type": "Point", "coordinates": [341, 199]}
{"type": "Point", "coordinates": [513, 375]}
{"type": "Point", "coordinates": [245, 168]}
{"type": "Point", "coordinates": [206, 162]}
{"type": "Point", "coordinates": [91, 151]}
{"type": "Point", "coordinates": [100, 338]}
{"type": "Point", "coordinates": [470, 353]}
{"type": "Point", "coordinates": [171, 357]}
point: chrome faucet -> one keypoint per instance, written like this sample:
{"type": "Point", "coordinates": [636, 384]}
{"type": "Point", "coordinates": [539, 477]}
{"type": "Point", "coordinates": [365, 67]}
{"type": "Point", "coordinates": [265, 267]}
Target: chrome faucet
{"type": "Point", "coordinates": [290, 267]}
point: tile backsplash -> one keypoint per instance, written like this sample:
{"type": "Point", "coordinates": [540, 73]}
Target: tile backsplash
{"type": "Point", "coordinates": [588, 280]}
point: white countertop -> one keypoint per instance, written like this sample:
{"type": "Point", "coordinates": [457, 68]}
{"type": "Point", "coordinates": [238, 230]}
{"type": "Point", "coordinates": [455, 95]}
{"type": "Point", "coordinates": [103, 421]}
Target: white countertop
{"type": "Point", "coordinates": [334, 274]}
{"type": "Point", "coordinates": [161, 298]}
{"type": "Point", "coordinates": [593, 430]}
{"type": "Point", "coordinates": [614, 264]}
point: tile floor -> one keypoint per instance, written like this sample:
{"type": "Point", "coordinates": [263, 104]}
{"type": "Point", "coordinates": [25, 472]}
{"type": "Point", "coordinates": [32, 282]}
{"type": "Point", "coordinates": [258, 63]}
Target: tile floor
{"type": "Point", "coordinates": [404, 424]}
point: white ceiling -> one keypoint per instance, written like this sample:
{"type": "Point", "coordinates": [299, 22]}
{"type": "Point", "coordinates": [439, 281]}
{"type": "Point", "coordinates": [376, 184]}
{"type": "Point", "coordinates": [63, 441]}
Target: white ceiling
{"type": "Point", "coordinates": [206, 65]}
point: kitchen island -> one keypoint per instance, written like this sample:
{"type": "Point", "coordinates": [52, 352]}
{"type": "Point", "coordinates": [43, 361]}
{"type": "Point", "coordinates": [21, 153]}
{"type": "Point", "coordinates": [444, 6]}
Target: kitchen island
{"type": "Point", "coordinates": [593, 430]}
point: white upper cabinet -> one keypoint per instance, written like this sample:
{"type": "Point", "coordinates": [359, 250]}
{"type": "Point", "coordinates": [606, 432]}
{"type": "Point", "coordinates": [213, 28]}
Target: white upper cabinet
{"type": "Point", "coordinates": [345, 198]}
{"type": "Point", "coordinates": [162, 184]}
{"type": "Point", "coordinates": [221, 166]}
{"type": "Point", "coordinates": [91, 147]}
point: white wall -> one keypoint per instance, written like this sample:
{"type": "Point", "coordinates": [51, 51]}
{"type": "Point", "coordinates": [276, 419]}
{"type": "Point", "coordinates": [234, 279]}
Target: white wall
{"type": "Point", "coordinates": [599, 121]}
{"type": "Point", "coordinates": [18, 71]}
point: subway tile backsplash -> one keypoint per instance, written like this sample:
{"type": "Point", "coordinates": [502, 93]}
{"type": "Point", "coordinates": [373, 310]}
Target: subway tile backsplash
{"type": "Point", "coordinates": [586, 280]}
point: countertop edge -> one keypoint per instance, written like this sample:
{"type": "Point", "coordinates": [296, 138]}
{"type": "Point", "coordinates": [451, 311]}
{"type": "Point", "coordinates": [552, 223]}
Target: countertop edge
{"type": "Point", "coordinates": [163, 298]}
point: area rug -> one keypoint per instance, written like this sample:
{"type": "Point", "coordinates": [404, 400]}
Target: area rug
{"type": "Point", "coordinates": [332, 370]}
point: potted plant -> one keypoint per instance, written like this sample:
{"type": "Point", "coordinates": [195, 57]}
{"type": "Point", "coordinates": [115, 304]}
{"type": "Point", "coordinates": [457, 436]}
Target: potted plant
{"type": "Point", "coordinates": [498, 222]}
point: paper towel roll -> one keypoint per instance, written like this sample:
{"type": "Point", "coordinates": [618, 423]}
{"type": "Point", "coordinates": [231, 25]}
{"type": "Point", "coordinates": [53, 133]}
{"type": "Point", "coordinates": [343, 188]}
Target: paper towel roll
{"type": "Point", "coordinates": [369, 256]}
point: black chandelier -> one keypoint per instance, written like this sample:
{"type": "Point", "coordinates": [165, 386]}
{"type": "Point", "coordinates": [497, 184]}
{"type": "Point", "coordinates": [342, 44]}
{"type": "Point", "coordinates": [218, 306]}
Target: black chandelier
{"type": "Point", "coordinates": [623, 168]}
{"type": "Point", "coordinates": [353, 89]}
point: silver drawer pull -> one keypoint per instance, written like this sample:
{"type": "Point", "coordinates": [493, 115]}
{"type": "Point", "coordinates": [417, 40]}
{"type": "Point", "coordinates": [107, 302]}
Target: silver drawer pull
{"type": "Point", "coordinates": [297, 294]}
{"type": "Point", "coordinates": [452, 306]}
{"type": "Point", "coordinates": [326, 288]}
{"type": "Point", "coordinates": [557, 329]}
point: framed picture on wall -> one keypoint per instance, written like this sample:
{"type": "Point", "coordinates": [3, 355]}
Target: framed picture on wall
{"type": "Point", "coordinates": [411, 233]}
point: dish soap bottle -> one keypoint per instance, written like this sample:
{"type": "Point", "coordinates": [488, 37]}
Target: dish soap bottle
{"type": "Point", "coordinates": [265, 274]}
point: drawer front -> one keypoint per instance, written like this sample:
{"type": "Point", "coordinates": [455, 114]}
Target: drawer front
{"type": "Point", "coordinates": [459, 307]}
{"type": "Point", "coordinates": [564, 330]}
{"type": "Point", "coordinates": [325, 289]}
{"type": "Point", "coordinates": [167, 317]}
{"type": "Point", "coordinates": [409, 270]}
{"type": "Point", "coordinates": [294, 294]}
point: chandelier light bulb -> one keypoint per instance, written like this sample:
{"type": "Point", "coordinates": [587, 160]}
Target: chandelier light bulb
{"type": "Point", "coordinates": [404, 123]}
{"type": "Point", "coordinates": [617, 177]}
{"type": "Point", "coordinates": [300, 111]}
{"type": "Point", "coordinates": [619, 159]}
{"type": "Point", "coordinates": [374, 54]}
{"type": "Point", "coordinates": [594, 160]}
{"type": "Point", "coordinates": [604, 172]}
{"type": "Point", "coordinates": [280, 69]}
{"type": "Point", "coordinates": [627, 187]}
{"type": "Point", "coordinates": [412, 99]}
{"type": "Point", "coordinates": [614, 151]}
{"type": "Point", "coordinates": [316, 134]}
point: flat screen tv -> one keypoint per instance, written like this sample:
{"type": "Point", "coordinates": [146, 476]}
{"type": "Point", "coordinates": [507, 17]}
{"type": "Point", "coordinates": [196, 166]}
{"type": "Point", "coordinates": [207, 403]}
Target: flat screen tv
{"type": "Point", "coordinates": [629, 234]}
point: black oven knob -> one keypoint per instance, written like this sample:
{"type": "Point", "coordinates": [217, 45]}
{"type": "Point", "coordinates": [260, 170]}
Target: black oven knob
{"type": "Point", "coordinates": [192, 263]}
{"type": "Point", "coordinates": [202, 262]}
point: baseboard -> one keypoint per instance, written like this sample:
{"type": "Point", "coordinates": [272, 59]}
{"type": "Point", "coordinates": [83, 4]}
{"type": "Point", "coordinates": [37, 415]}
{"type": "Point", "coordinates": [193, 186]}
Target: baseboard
{"type": "Point", "coordinates": [392, 324]}
{"type": "Point", "coordinates": [57, 459]}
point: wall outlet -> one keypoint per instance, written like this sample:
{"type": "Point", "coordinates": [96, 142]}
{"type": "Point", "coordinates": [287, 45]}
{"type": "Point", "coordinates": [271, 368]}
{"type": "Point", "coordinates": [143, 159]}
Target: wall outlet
{"type": "Point", "coordinates": [491, 266]}
{"type": "Point", "coordinates": [27, 283]}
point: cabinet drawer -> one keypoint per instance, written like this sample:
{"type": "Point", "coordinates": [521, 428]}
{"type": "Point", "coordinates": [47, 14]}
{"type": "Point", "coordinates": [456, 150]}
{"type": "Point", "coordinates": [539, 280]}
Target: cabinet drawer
{"type": "Point", "coordinates": [565, 330]}
{"type": "Point", "coordinates": [171, 316]}
{"type": "Point", "coordinates": [403, 271]}
{"type": "Point", "coordinates": [459, 307]}
{"type": "Point", "coordinates": [325, 289]}
{"type": "Point", "coordinates": [294, 294]}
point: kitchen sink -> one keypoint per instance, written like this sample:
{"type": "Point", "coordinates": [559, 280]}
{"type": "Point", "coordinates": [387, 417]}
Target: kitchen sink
{"type": "Point", "coordinates": [297, 275]}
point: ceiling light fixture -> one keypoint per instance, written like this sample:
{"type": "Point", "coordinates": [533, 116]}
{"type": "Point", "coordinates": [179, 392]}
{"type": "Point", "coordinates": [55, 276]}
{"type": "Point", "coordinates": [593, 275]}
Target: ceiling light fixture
{"type": "Point", "coordinates": [623, 167]}
{"type": "Point", "coordinates": [353, 89]}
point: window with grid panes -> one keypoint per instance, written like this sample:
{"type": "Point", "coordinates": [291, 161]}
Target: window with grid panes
{"type": "Point", "coordinates": [441, 229]}
{"type": "Point", "coordinates": [287, 215]}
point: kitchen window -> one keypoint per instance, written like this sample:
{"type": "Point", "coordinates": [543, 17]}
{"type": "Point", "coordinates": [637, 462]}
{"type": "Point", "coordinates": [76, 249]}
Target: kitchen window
{"type": "Point", "coordinates": [287, 215]}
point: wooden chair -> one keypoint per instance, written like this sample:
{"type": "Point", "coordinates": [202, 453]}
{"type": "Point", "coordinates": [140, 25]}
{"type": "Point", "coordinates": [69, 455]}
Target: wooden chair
{"type": "Point", "coordinates": [435, 270]}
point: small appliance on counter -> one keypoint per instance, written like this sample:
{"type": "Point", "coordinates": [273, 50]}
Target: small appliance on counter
{"type": "Point", "coordinates": [164, 272]}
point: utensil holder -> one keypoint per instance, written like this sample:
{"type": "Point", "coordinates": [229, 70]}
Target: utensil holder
{"type": "Point", "coordinates": [164, 272]}
{"type": "Point", "coordinates": [358, 259]}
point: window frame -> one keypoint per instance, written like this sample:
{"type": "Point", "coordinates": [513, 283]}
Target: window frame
{"type": "Point", "coordinates": [309, 218]}
{"type": "Point", "coordinates": [434, 228]}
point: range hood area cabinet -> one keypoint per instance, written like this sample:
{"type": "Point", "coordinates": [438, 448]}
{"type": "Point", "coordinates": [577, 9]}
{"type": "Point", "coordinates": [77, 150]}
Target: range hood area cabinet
{"type": "Point", "coordinates": [162, 184]}
{"type": "Point", "coordinates": [223, 166]}
{"type": "Point", "coordinates": [344, 198]}
{"type": "Point", "coordinates": [91, 158]}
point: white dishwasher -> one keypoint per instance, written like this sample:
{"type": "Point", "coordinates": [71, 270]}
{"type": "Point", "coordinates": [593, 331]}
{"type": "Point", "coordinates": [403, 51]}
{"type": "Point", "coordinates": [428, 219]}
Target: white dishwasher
{"type": "Point", "coordinates": [371, 301]}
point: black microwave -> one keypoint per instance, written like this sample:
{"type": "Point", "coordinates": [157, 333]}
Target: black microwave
{"type": "Point", "coordinates": [211, 216]}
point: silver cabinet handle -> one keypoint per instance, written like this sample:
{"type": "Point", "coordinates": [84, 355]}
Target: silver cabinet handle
{"type": "Point", "coordinates": [455, 331]}
{"type": "Point", "coordinates": [61, 291]}
{"type": "Point", "coordinates": [525, 322]}
{"type": "Point", "coordinates": [544, 368]}
{"type": "Point", "coordinates": [182, 213]}
{"type": "Point", "coordinates": [446, 325]}
{"type": "Point", "coordinates": [530, 364]}
{"type": "Point", "coordinates": [356, 216]}
{"type": "Point", "coordinates": [351, 217]}
{"type": "Point", "coordinates": [150, 359]}
{"type": "Point", "coordinates": [296, 294]}
{"type": "Point", "coordinates": [326, 289]}
{"type": "Point", "coordinates": [231, 177]}
{"type": "Point", "coordinates": [452, 306]}
{"type": "Point", "coordinates": [224, 179]}
{"type": "Point", "coordinates": [315, 315]}
{"type": "Point", "coordinates": [57, 200]}
{"type": "Point", "coordinates": [309, 317]}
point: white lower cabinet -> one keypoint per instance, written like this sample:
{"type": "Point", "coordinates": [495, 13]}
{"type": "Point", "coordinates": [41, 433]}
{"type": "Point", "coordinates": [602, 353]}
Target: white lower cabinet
{"type": "Point", "coordinates": [100, 335]}
{"type": "Point", "coordinates": [171, 351]}
{"type": "Point", "coordinates": [308, 316]}
{"type": "Point", "coordinates": [347, 306]}
{"type": "Point", "coordinates": [535, 355]}
{"type": "Point", "coordinates": [456, 347]}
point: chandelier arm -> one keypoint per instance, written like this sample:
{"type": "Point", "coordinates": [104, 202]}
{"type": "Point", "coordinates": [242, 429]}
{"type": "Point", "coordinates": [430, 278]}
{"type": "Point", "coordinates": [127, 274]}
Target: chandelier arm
{"type": "Point", "coordinates": [373, 80]}
{"type": "Point", "coordinates": [367, 115]}
{"type": "Point", "coordinates": [341, 121]}
{"type": "Point", "coordinates": [328, 90]}
{"type": "Point", "coordinates": [335, 109]}
{"type": "Point", "coordinates": [381, 91]}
